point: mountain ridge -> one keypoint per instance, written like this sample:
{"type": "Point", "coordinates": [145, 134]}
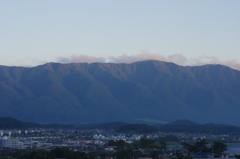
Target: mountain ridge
{"type": "Point", "coordinates": [107, 92]}
{"type": "Point", "coordinates": [178, 126]}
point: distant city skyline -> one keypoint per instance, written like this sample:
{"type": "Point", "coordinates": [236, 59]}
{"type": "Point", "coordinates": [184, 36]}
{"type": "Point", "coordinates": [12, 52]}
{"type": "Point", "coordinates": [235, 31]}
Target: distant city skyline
{"type": "Point", "coordinates": [184, 32]}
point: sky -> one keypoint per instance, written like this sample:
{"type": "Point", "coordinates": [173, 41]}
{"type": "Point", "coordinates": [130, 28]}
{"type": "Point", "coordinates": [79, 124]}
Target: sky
{"type": "Point", "coordinates": [186, 32]}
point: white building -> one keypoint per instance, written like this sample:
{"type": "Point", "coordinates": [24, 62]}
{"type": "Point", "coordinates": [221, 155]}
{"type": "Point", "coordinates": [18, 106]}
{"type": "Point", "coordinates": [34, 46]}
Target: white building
{"type": "Point", "coordinates": [10, 143]}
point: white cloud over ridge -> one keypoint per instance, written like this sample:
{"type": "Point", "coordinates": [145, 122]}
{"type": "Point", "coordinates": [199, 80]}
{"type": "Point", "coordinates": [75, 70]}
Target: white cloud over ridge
{"type": "Point", "coordinates": [80, 59]}
{"type": "Point", "coordinates": [144, 55]}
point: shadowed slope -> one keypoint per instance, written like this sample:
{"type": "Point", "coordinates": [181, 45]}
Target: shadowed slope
{"type": "Point", "coordinates": [104, 92]}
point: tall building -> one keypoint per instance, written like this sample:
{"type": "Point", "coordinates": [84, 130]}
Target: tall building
{"type": "Point", "coordinates": [10, 143]}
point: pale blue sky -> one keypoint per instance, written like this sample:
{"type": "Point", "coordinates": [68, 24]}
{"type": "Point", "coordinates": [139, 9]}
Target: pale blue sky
{"type": "Point", "coordinates": [36, 32]}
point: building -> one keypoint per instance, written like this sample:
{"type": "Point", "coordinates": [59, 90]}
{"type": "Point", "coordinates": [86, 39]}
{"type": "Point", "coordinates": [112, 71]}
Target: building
{"type": "Point", "coordinates": [10, 143]}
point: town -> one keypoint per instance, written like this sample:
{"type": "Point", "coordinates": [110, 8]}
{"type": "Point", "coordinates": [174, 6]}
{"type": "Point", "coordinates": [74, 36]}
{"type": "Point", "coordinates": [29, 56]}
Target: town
{"type": "Point", "coordinates": [101, 143]}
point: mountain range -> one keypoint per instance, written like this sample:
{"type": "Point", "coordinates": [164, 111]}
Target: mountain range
{"type": "Point", "coordinates": [179, 126]}
{"type": "Point", "coordinates": [12, 123]}
{"type": "Point", "coordinates": [145, 91]}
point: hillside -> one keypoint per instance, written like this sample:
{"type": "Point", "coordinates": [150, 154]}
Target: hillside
{"type": "Point", "coordinates": [108, 126]}
{"type": "Point", "coordinates": [186, 126]}
{"type": "Point", "coordinates": [179, 126]}
{"type": "Point", "coordinates": [147, 91]}
{"type": "Point", "coordinates": [12, 123]}
{"type": "Point", "coordinates": [137, 128]}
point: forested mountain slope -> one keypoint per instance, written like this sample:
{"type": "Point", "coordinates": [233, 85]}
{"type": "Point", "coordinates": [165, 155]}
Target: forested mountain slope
{"type": "Point", "coordinates": [152, 91]}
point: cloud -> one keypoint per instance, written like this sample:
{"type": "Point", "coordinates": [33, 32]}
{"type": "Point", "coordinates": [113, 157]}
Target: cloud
{"type": "Point", "coordinates": [233, 64]}
{"type": "Point", "coordinates": [144, 55]}
{"type": "Point", "coordinates": [134, 58]}
{"type": "Point", "coordinates": [80, 59]}
{"type": "Point", "coordinates": [203, 60]}
{"type": "Point", "coordinates": [178, 59]}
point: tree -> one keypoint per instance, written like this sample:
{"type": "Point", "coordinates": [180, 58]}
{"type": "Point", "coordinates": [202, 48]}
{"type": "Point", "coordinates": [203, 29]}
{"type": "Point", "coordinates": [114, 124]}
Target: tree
{"type": "Point", "coordinates": [120, 143]}
{"type": "Point", "coordinates": [145, 142]}
{"type": "Point", "coordinates": [168, 138]}
{"type": "Point", "coordinates": [123, 154]}
{"type": "Point", "coordinates": [155, 154]}
{"type": "Point", "coordinates": [189, 157]}
{"type": "Point", "coordinates": [219, 147]}
{"type": "Point", "coordinates": [201, 145]}
{"type": "Point", "coordinates": [163, 145]}
{"type": "Point", "coordinates": [103, 155]}
{"type": "Point", "coordinates": [38, 156]}
{"type": "Point", "coordinates": [111, 143]}
{"type": "Point", "coordinates": [185, 145]}
{"type": "Point", "coordinates": [153, 146]}
{"type": "Point", "coordinates": [136, 145]}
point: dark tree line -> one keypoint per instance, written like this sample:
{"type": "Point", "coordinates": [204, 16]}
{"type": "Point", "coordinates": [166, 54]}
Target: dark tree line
{"type": "Point", "coordinates": [218, 147]}
{"type": "Point", "coordinates": [125, 150]}
{"type": "Point", "coordinates": [43, 154]}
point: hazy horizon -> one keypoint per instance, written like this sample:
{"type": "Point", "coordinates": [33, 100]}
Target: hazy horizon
{"type": "Point", "coordinates": [184, 32]}
{"type": "Point", "coordinates": [175, 58]}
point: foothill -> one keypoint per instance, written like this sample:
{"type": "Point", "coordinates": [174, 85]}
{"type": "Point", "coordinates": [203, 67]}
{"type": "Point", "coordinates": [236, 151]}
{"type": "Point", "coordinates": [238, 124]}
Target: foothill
{"type": "Point", "coordinates": [108, 143]}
